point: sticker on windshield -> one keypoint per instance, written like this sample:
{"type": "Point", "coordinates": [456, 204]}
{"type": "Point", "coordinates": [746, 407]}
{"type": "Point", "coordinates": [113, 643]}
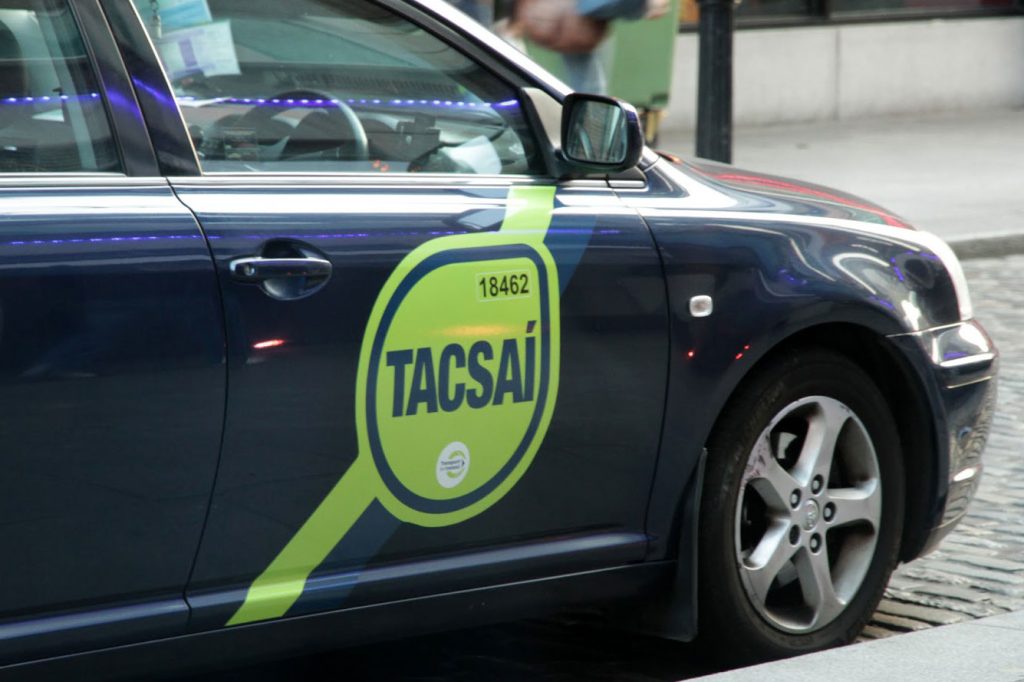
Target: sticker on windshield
{"type": "Point", "coordinates": [457, 382]}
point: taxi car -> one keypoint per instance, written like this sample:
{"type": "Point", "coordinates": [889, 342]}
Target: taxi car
{"type": "Point", "coordinates": [332, 320]}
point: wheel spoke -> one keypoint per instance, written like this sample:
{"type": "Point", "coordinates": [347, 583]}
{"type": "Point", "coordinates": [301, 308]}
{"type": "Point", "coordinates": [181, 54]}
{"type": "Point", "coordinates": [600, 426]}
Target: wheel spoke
{"type": "Point", "coordinates": [773, 483]}
{"type": "Point", "coordinates": [767, 559]}
{"type": "Point", "coordinates": [857, 505]}
{"type": "Point", "coordinates": [817, 587]}
{"type": "Point", "coordinates": [823, 429]}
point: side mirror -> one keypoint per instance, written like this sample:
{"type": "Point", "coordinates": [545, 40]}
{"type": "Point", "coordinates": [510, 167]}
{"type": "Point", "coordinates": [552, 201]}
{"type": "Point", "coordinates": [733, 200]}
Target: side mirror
{"type": "Point", "coordinates": [600, 134]}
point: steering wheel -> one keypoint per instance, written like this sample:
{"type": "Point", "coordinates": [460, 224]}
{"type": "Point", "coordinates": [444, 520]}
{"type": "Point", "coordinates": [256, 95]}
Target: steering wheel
{"type": "Point", "coordinates": [340, 115]}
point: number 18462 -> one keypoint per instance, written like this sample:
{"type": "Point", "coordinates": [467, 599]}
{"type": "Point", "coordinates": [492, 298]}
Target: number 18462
{"type": "Point", "coordinates": [496, 285]}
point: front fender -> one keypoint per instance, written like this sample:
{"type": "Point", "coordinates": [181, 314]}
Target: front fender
{"type": "Point", "coordinates": [770, 280]}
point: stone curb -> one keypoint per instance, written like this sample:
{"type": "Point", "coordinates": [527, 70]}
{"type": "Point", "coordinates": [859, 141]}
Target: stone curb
{"type": "Point", "coordinates": [986, 649]}
{"type": "Point", "coordinates": [988, 246]}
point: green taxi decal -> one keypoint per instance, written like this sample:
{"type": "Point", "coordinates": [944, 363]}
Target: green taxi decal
{"type": "Point", "coordinates": [457, 381]}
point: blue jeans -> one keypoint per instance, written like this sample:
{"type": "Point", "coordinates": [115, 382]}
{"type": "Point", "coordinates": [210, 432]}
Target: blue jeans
{"type": "Point", "coordinates": [585, 73]}
{"type": "Point", "coordinates": [482, 13]}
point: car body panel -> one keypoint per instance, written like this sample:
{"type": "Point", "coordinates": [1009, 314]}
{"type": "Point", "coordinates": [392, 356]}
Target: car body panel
{"type": "Point", "coordinates": [757, 192]}
{"type": "Point", "coordinates": [290, 433]}
{"type": "Point", "coordinates": [787, 266]}
{"type": "Point", "coordinates": [270, 641]}
{"type": "Point", "coordinates": [171, 353]}
{"type": "Point", "coordinates": [112, 329]}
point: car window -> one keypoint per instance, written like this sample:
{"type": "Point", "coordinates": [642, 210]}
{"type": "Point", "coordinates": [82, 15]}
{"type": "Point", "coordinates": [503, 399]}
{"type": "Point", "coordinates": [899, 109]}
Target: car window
{"type": "Point", "coordinates": [332, 86]}
{"type": "Point", "coordinates": [52, 116]}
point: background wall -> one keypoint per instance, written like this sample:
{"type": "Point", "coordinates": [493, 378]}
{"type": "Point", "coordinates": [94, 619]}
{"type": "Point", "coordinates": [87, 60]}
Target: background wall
{"type": "Point", "coordinates": [791, 75]}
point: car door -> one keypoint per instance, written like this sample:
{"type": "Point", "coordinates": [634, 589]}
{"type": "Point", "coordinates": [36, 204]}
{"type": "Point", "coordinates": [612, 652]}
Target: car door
{"type": "Point", "coordinates": [445, 369]}
{"type": "Point", "coordinates": [112, 378]}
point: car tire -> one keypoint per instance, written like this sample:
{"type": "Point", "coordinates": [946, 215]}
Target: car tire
{"type": "Point", "coordinates": [802, 509]}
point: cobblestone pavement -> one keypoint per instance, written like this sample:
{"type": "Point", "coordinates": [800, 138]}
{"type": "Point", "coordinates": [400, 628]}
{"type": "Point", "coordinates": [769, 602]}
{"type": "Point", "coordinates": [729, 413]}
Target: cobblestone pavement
{"type": "Point", "coordinates": [979, 569]}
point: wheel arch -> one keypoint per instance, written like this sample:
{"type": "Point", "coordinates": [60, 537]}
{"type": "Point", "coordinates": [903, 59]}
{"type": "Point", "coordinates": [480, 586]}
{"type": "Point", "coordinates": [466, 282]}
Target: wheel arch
{"type": "Point", "coordinates": [907, 398]}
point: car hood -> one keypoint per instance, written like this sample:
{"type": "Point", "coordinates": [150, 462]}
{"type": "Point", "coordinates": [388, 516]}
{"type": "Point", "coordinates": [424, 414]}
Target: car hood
{"type": "Point", "coordinates": [779, 194]}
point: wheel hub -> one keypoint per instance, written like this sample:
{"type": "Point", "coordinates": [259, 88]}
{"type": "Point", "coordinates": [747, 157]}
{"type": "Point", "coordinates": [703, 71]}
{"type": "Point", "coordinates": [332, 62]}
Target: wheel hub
{"type": "Point", "coordinates": [811, 514]}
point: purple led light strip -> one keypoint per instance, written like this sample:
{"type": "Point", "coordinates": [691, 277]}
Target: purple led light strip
{"type": "Point", "coordinates": [101, 240]}
{"type": "Point", "coordinates": [45, 99]}
{"type": "Point", "coordinates": [309, 102]}
{"type": "Point", "coordinates": [267, 235]}
{"type": "Point", "coordinates": [289, 102]}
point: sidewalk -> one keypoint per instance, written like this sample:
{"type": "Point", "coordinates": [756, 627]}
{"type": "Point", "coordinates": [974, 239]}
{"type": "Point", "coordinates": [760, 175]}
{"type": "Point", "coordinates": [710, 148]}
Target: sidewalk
{"type": "Point", "coordinates": [960, 175]}
{"type": "Point", "coordinates": [988, 649]}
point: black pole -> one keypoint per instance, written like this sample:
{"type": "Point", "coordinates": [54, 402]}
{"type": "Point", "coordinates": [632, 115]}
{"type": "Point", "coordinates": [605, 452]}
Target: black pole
{"type": "Point", "coordinates": [714, 90]}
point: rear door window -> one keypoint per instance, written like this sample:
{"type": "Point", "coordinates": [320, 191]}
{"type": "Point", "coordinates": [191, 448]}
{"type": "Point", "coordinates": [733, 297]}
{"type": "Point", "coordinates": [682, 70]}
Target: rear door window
{"type": "Point", "coordinates": [52, 115]}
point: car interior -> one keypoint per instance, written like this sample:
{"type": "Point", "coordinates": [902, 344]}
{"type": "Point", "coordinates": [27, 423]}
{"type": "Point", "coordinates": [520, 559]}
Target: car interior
{"type": "Point", "coordinates": [51, 114]}
{"type": "Point", "coordinates": [339, 87]}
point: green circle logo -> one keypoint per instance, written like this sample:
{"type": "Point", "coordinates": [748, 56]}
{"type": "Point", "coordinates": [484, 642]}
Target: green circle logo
{"type": "Point", "coordinates": [461, 355]}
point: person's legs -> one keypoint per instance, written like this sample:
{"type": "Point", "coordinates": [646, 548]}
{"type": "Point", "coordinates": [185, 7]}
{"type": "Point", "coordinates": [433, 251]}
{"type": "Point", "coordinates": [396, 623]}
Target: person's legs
{"type": "Point", "coordinates": [584, 73]}
{"type": "Point", "coordinates": [480, 11]}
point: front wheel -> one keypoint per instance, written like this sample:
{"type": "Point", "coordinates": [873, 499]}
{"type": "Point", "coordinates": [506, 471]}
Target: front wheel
{"type": "Point", "coordinates": [802, 509]}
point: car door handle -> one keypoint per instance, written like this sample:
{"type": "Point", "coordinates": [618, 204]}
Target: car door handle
{"type": "Point", "coordinates": [259, 269]}
{"type": "Point", "coordinates": [296, 274]}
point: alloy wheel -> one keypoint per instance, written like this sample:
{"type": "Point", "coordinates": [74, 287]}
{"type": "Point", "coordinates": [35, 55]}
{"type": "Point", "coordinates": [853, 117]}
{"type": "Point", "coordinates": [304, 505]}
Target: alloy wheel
{"type": "Point", "coordinates": [808, 514]}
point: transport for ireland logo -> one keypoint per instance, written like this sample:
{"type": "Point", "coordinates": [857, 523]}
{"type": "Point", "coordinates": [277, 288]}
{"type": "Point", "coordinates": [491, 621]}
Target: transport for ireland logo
{"type": "Point", "coordinates": [453, 465]}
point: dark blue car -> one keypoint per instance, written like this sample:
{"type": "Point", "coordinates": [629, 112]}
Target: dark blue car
{"type": "Point", "coordinates": [330, 320]}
